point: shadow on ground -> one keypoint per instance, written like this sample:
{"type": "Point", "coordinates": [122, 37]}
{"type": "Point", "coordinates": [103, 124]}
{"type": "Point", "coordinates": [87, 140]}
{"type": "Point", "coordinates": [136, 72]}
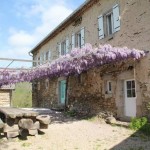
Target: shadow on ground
{"type": "Point", "coordinates": [56, 116]}
{"type": "Point", "coordinates": [136, 141]}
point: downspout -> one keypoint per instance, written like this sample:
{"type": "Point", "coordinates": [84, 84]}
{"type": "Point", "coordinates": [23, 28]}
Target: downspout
{"type": "Point", "coordinates": [66, 92]}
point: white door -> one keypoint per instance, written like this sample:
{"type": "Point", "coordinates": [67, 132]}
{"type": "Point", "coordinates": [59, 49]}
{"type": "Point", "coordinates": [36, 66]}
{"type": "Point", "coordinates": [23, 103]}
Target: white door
{"type": "Point", "coordinates": [130, 98]}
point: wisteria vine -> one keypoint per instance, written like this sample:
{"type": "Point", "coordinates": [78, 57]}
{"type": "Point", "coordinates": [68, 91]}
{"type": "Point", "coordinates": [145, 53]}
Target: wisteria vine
{"type": "Point", "coordinates": [76, 62]}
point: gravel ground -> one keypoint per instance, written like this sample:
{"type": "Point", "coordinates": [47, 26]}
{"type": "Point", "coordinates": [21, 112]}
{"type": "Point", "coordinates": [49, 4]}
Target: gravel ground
{"type": "Point", "coordinates": [69, 134]}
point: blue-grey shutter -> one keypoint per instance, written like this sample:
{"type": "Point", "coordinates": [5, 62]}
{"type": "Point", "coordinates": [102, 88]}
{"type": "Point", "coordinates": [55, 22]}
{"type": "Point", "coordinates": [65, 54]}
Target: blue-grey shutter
{"type": "Point", "coordinates": [82, 37]}
{"type": "Point", "coordinates": [44, 57]}
{"type": "Point", "coordinates": [41, 58]}
{"type": "Point", "coordinates": [116, 17]}
{"type": "Point", "coordinates": [73, 40]}
{"type": "Point", "coordinates": [49, 55]}
{"type": "Point", "coordinates": [37, 61]}
{"type": "Point", "coordinates": [67, 45]}
{"type": "Point", "coordinates": [59, 49]}
{"type": "Point", "coordinates": [100, 27]}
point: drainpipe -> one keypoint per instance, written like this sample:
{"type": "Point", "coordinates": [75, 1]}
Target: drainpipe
{"type": "Point", "coordinates": [66, 92]}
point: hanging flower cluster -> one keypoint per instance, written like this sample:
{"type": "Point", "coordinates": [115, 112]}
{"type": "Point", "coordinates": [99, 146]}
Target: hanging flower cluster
{"type": "Point", "coordinates": [77, 61]}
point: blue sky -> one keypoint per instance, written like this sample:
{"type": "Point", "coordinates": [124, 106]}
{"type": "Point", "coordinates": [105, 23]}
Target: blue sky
{"type": "Point", "coordinates": [23, 23]}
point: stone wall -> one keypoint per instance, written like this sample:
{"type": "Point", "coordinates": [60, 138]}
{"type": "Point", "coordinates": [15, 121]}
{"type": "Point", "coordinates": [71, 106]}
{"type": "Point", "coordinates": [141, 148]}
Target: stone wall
{"type": "Point", "coordinates": [45, 93]}
{"type": "Point", "coordinates": [85, 93]}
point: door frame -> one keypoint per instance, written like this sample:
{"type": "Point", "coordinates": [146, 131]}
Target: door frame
{"type": "Point", "coordinates": [59, 83]}
{"type": "Point", "coordinates": [125, 97]}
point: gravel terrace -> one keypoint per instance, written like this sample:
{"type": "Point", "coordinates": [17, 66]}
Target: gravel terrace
{"type": "Point", "coordinates": [71, 134]}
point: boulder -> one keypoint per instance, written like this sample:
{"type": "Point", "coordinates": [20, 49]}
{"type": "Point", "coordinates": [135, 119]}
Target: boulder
{"type": "Point", "coordinates": [44, 119]}
{"type": "Point", "coordinates": [110, 120]}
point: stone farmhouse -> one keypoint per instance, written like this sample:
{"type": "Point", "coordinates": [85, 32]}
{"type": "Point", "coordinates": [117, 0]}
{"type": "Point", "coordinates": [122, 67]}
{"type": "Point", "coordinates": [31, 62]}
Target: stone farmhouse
{"type": "Point", "coordinates": [121, 88]}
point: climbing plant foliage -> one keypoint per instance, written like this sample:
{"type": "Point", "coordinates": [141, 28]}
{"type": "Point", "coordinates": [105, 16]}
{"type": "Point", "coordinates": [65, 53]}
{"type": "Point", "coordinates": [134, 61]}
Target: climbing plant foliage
{"type": "Point", "coordinates": [79, 60]}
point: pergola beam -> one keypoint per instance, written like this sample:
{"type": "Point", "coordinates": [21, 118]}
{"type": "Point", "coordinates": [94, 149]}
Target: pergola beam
{"type": "Point", "coordinates": [20, 60]}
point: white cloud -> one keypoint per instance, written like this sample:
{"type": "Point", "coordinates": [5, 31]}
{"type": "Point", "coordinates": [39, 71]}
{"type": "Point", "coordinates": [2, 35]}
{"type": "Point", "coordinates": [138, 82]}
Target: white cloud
{"type": "Point", "coordinates": [20, 42]}
{"type": "Point", "coordinates": [21, 39]}
{"type": "Point", "coordinates": [51, 17]}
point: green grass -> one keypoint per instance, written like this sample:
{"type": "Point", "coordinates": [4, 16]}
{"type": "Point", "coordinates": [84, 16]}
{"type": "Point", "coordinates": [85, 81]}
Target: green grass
{"type": "Point", "coordinates": [22, 95]}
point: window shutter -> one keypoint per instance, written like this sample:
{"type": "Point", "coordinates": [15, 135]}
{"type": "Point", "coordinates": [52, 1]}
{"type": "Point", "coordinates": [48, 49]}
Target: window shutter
{"type": "Point", "coordinates": [44, 57]}
{"type": "Point", "coordinates": [100, 27]}
{"type": "Point", "coordinates": [41, 58]}
{"type": "Point", "coordinates": [116, 17]}
{"type": "Point", "coordinates": [36, 61]}
{"type": "Point", "coordinates": [67, 45]}
{"type": "Point", "coordinates": [82, 37]}
{"type": "Point", "coordinates": [49, 55]}
{"type": "Point", "coordinates": [59, 49]}
{"type": "Point", "coordinates": [73, 40]}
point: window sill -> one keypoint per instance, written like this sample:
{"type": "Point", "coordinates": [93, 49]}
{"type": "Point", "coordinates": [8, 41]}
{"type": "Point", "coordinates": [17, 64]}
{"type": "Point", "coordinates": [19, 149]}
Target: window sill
{"type": "Point", "coordinates": [108, 95]}
{"type": "Point", "coordinates": [109, 37]}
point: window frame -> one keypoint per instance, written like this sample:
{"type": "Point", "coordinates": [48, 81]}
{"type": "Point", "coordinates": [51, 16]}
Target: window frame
{"type": "Point", "coordinates": [110, 13]}
{"type": "Point", "coordinates": [39, 61]}
{"type": "Point", "coordinates": [63, 48]}
{"type": "Point", "coordinates": [103, 23]}
{"type": "Point", "coordinates": [78, 39]}
{"type": "Point", "coordinates": [109, 87]}
{"type": "Point", "coordinates": [132, 89]}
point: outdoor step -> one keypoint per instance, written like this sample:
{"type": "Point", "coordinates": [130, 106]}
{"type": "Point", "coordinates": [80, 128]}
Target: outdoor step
{"type": "Point", "coordinates": [8, 128]}
{"type": "Point", "coordinates": [44, 119]}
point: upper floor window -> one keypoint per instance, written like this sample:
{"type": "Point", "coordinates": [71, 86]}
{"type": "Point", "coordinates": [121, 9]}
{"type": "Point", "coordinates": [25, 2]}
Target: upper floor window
{"type": "Point", "coordinates": [64, 47]}
{"type": "Point", "coordinates": [78, 39]}
{"type": "Point", "coordinates": [38, 61]}
{"type": "Point", "coordinates": [47, 56]}
{"type": "Point", "coordinates": [109, 22]}
{"type": "Point", "coordinates": [41, 58]}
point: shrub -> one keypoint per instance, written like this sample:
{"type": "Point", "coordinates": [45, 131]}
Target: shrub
{"type": "Point", "coordinates": [140, 124]}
